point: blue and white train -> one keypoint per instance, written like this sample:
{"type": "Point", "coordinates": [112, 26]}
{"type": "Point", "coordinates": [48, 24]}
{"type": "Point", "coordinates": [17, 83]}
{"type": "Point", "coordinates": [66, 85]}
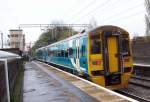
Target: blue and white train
{"type": "Point", "coordinates": [103, 55]}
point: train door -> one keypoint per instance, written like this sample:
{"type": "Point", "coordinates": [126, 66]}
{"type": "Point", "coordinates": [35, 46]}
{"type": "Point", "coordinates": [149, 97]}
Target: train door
{"type": "Point", "coordinates": [77, 55]}
{"type": "Point", "coordinates": [112, 58]}
{"type": "Point", "coordinates": [83, 54]}
{"type": "Point", "coordinates": [75, 59]}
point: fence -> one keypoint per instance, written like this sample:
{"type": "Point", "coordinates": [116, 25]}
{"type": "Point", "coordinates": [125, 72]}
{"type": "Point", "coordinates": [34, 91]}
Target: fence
{"type": "Point", "coordinates": [15, 76]}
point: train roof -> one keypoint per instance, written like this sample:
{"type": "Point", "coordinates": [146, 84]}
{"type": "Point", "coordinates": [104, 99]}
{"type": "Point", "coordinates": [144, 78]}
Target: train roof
{"type": "Point", "coordinates": [8, 55]}
{"type": "Point", "coordinates": [69, 38]}
{"type": "Point", "coordinates": [98, 29]}
{"type": "Point", "coordinates": [109, 28]}
{"type": "Point", "coordinates": [72, 37]}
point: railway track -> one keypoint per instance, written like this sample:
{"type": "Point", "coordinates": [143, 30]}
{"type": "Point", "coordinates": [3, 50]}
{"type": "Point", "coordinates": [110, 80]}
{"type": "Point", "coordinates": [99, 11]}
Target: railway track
{"type": "Point", "coordinates": [141, 78]}
{"type": "Point", "coordinates": [140, 81]}
{"type": "Point", "coordinates": [140, 99]}
{"type": "Point", "coordinates": [139, 84]}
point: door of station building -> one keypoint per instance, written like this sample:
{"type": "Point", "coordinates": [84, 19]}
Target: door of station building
{"type": "Point", "coordinates": [113, 54]}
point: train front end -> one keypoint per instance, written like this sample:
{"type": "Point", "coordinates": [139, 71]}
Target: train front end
{"type": "Point", "coordinates": [109, 57]}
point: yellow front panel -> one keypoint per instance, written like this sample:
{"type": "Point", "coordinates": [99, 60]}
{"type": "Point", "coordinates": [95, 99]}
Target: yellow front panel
{"type": "Point", "coordinates": [94, 58]}
{"type": "Point", "coordinates": [127, 62]}
{"type": "Point", "coordinates": [100, 80]}
{"type": "Point", "coordinates": [112, 54]}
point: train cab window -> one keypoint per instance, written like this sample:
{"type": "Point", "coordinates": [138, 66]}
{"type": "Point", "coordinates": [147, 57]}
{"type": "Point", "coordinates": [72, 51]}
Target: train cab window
{"type": "Point", "coordinates": [95, 44]}
{"type": "Point", "coordinates": [125, 47]}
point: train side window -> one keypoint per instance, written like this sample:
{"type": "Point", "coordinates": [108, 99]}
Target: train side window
{"type": "Point", "coordinates": [52, 53]}
{"type": "Point", "coordinates": [66, 53]}
{"type": "Point", "coordinates": [83, 51]}
{"type": "Point", "coordinates": [55, 53]}
{"type": "Point", "coordinates": [70, 52]}
{"type": "Point", "coordinates": [95, 44]}
{"type": "Point", "coordinates": [125, 47]}
{"type": "Point", "coordinates": [59, 54]}
{"type": "Point", "coordinates": [62, 53]}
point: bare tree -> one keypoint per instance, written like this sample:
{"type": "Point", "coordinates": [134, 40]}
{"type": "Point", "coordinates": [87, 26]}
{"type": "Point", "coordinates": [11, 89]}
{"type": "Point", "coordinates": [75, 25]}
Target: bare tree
{"type": "Point", "coordinates": [93, 23]}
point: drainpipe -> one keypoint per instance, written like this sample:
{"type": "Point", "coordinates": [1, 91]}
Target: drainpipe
{"type": "Point", "coordinates": [7, 79]}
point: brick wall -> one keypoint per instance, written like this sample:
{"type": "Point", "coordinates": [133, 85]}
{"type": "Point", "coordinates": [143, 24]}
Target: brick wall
{"type": "Point", "coordinates": [141, 51]}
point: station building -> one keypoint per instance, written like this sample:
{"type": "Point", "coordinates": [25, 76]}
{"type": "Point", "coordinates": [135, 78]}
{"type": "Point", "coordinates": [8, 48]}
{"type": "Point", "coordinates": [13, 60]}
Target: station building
{"type": "Point", "coordinates": [17, 39]}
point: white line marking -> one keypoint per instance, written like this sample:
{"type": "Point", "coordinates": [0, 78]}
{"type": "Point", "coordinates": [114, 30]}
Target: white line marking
{"type": "Point", "coordinates": [142, 65]}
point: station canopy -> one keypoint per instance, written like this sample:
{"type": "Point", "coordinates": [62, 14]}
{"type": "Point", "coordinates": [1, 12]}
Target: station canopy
{"type": "Point", "coordinates": [8, 55]}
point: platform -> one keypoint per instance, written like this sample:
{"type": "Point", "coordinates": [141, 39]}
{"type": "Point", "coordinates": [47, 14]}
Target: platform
{"type": "Point", "coordinates": [44, 83]}
{"type": "Point", "coordinates": [142, 64]}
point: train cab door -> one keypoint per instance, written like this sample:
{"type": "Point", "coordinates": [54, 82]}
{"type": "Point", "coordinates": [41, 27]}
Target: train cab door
{"type": "Point", "coordinates": [112, 58]}
{"type": "Point", "coordinates": [112, 50]}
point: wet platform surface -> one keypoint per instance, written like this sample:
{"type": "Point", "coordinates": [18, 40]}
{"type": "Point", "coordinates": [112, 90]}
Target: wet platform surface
{"type": "Point", "coordinates": [44, 83]}
{"type": "Point", "coordinates": [42, 87]}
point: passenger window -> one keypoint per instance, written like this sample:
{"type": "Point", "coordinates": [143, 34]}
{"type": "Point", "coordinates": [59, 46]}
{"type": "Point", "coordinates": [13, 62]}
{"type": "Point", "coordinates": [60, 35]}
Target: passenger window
{"type": "Point", "coordinates": [70, 52]}
{"type": "Point", "coordinates": [62, 53]}
{"type": "Point", "coordinates": [55, 53]}
{"type": "Point", "coordinates": [95, 44]}
{"type": "Point", "coordinates": [66, 53]}
{"type": "Point", "coordinates": [125, 47]}
{"type": "Point", "coordinates": [59, 54]}
{"type": "Point", "coordinates": [83, 51]}
{"type": "Point", "coordinates": [49, 53]}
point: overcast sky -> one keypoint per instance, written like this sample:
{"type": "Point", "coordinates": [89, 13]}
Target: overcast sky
{"type": "Point", "coordinates": [128, 14]}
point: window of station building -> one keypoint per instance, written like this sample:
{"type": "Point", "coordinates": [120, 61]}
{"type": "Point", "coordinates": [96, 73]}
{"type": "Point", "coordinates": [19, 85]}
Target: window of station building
{"type": "Point", "coordinates": [95, 44]}
{"type": "Point", "coordinates": [125, 47]}
{"type": "Point", "coordinates": [15, 35]}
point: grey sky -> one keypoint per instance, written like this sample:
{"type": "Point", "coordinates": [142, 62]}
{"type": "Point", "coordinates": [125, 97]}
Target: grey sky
{"type": "Point", "coordinates": [128, 14]}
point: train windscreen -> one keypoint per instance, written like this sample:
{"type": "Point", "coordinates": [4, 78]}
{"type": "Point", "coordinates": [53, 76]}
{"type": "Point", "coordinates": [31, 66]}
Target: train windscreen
{"type": "Point", "coordinates": [95, 44]}
{"type": "Point", "coordinates": [125, 46]}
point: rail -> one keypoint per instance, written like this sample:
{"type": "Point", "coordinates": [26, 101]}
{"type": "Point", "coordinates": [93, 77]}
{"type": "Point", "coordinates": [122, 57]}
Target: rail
{"type": "Point", "coordinates": [140, 99]}
{"type": "Point", "coordinates": [141, 69]}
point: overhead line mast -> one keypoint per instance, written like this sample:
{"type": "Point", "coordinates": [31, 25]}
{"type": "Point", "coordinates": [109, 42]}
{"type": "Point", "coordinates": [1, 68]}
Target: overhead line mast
{"type": "Point", "coordinates": [53, 27]}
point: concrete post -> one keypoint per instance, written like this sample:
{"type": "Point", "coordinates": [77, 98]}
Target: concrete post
{"type": "Point", "coordinates": [7, 79]}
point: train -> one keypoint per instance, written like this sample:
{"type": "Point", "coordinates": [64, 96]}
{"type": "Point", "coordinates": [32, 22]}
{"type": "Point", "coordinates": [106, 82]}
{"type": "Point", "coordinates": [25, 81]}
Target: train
{"type": "Point", "coordinates": [102, 55]}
